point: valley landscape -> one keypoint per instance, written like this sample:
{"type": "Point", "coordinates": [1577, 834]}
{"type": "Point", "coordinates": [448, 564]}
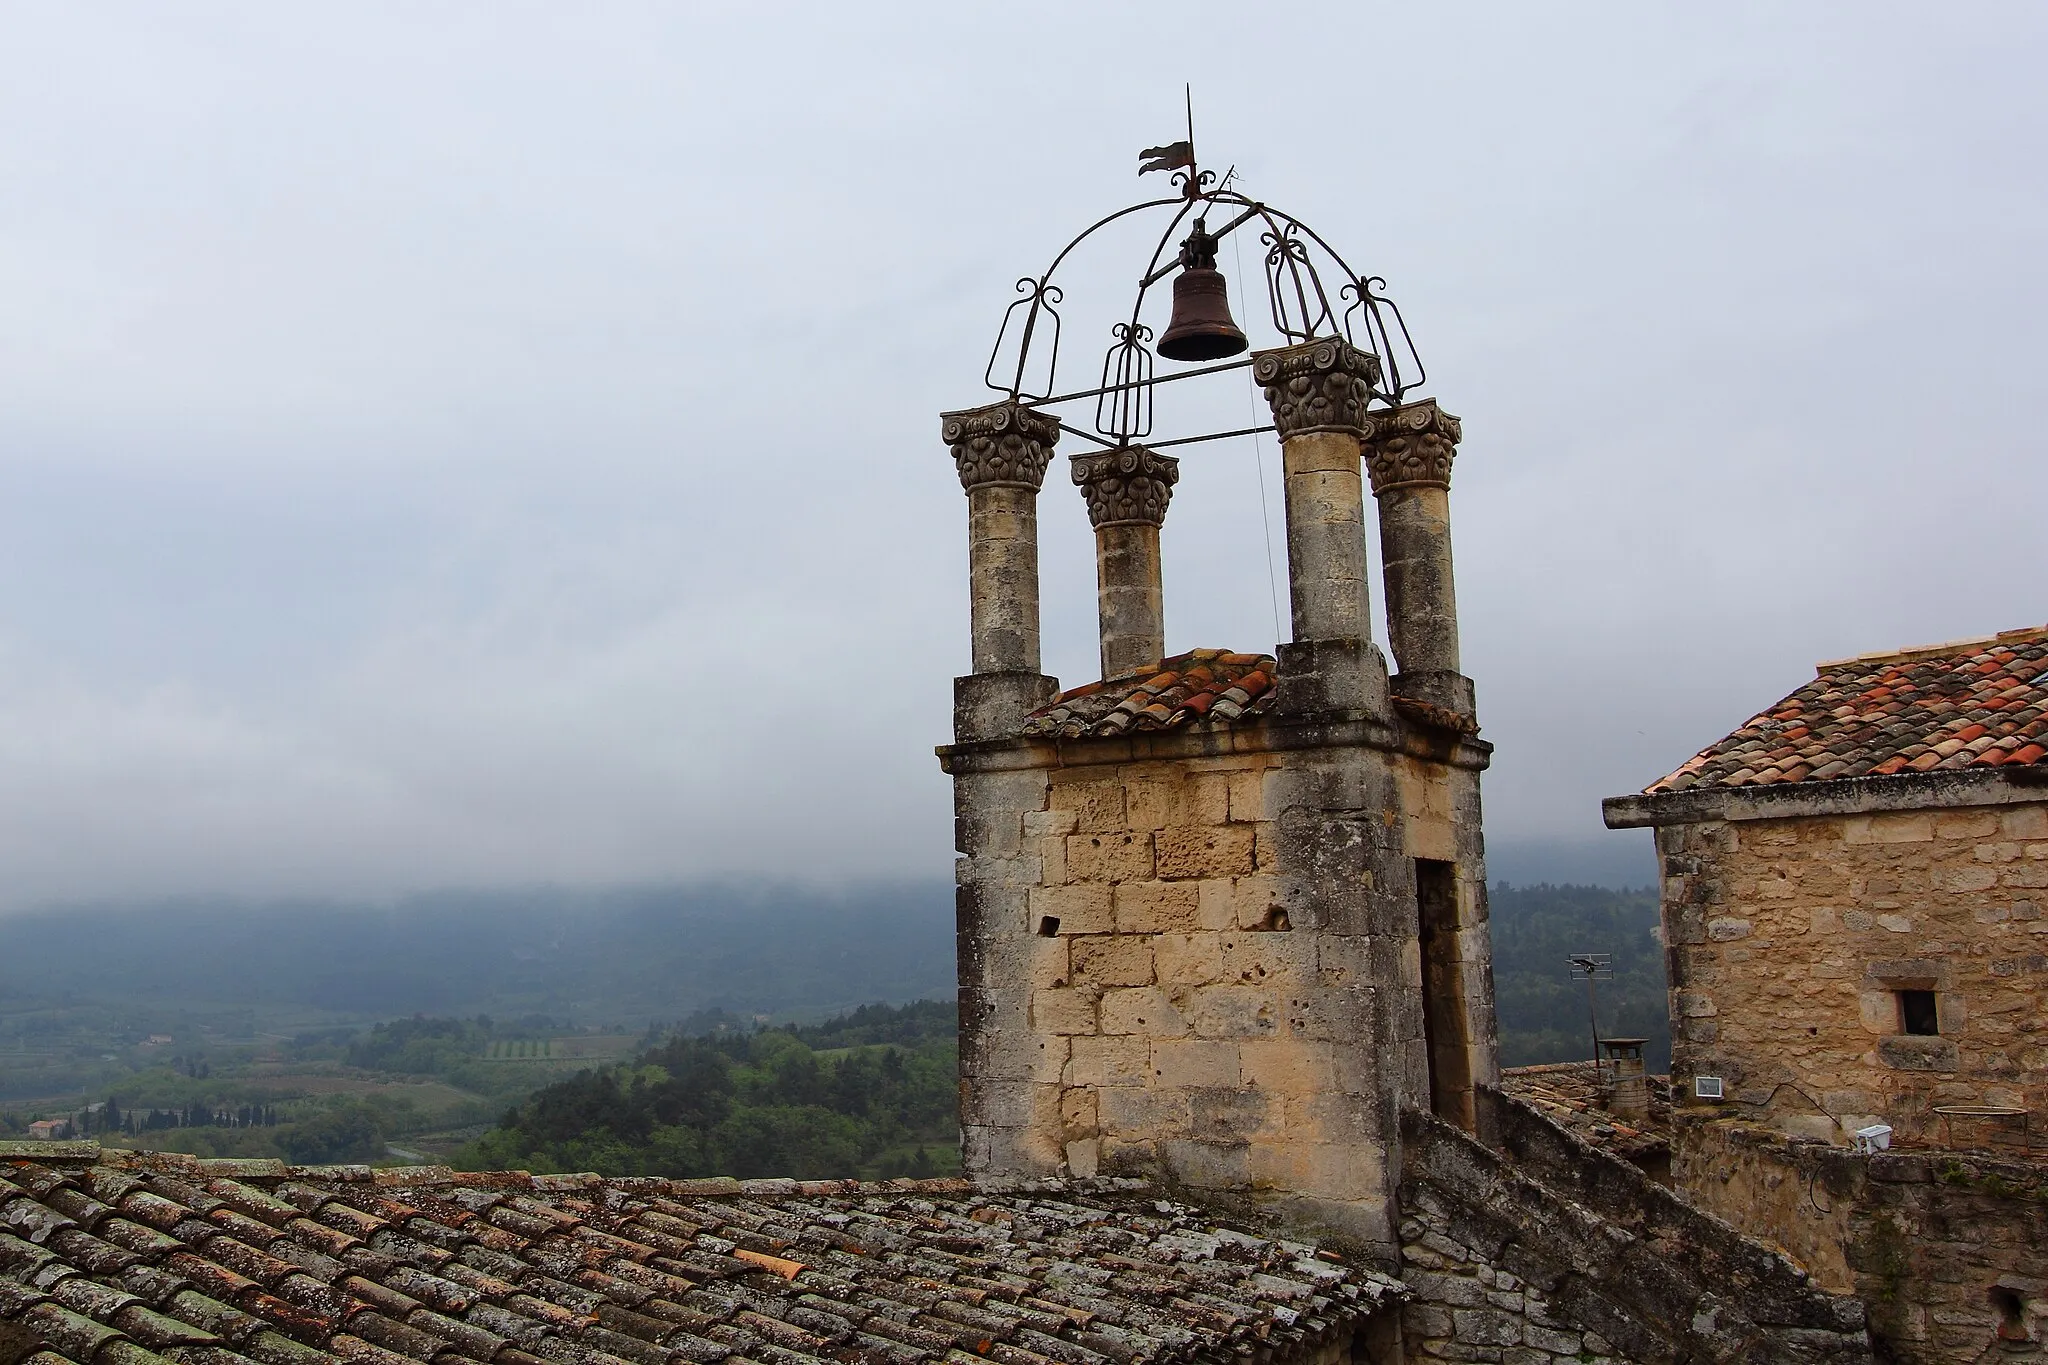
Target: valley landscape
{"type": "Point", "coordinates": [685, 1031]}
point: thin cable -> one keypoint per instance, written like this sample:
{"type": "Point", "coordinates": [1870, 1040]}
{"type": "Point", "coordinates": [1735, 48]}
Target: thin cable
{"type": "Point", "coordinates": [1259, 464]}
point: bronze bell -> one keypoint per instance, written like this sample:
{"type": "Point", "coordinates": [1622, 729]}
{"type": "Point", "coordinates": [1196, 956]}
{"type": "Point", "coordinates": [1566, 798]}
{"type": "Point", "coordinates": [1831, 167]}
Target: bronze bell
{"type": "Point", "coordinates": [1201, 327]}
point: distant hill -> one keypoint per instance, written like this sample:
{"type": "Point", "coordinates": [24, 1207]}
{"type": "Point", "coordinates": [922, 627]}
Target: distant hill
{"type": "Point", "coordinates": [631, 956]}
{"type": "Point", "coordinates": [1543, 1012]}
{"type": "Point", "coordinates": [85, 982]}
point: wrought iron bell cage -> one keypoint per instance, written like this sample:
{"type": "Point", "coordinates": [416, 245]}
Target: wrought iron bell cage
{"type": "Point", "coordinates": [1299, 267]}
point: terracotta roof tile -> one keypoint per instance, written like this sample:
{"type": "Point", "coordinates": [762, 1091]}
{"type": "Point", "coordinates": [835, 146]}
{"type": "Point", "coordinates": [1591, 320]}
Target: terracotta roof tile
{"type": "Point", "coordinates": [1201, 689]}
{"type": "Point", "coordinates": [1970, 704]}
{"type": "Point", "coordinates": [223, 1265]}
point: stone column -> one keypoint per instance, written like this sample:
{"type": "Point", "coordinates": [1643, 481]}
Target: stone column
{"type": "Point", "coordinates": [1001, 452]}
{"type": "Point", "coordinates": [1127, 492]}
{"type": "Point", "coordinates": [1408, 454]}
{"type": "Point", "coordinates": [1318, 392]}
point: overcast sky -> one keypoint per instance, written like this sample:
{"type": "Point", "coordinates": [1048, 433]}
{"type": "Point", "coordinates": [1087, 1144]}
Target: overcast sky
{"type": "Point", "coordinates": [469, 444]}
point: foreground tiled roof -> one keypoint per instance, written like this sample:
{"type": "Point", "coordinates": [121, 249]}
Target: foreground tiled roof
{"type": "Point", "coordinates": [1970, 704]}
{"type": "Point", "coordinates": [230, 1262]}
{"type": "Point", "coordinates": [1203, 688]}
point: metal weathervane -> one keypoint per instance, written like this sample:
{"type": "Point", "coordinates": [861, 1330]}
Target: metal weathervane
{"type": "Point", "coordinates": [1312, 294]}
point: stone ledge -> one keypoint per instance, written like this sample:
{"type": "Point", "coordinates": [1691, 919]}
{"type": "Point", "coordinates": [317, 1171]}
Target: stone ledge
{"type": "Point", "coordinates": [1842, 796]}
{"type": "Point", "coordinates": [1267, 735]}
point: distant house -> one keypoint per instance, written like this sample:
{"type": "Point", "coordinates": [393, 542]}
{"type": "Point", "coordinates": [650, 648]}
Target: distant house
{"type": "Point", "coordinates": [49, 1130]}
{"type": "Point", "coordinates": [157, 1040]}
{"type": "Point", "coordinates": [1856, 895]}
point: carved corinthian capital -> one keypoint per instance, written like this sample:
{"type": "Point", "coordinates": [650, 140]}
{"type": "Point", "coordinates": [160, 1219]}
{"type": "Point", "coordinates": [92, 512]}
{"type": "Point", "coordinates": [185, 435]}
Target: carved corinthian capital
{"type": "Point", "coordinates": [1131, 484]}
{"type": "Point", "coordinates": [1410, 446]}
{"type": "Point", "coordinates": [1003, 443]}
{"type": "Point", "coordinates": [1317, 386]}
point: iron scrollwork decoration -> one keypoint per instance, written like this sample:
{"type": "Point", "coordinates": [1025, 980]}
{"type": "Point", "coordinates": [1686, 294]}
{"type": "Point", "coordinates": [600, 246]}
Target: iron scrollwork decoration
{"type": "Point", "coordinates": [1123, 409]}
{"type": "Point", "coordinates": [1300, 270]}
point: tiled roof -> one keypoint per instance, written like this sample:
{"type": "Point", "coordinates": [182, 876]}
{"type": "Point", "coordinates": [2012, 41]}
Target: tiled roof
{"type": "Point", "coordinates": [1971, 704]}
{"type": "Point", "coordinates": [1574, 1096]}
{"type": "Point", "coordinates": [232, 1262]}
{"type": "Point", "coordinates": [1207, 688]}
{"type": "Point", "coordinates": [1203, 687]}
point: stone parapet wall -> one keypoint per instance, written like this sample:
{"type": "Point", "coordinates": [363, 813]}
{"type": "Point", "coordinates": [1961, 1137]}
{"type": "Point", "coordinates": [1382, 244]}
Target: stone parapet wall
{"type": "Point", "coordinates": [1949, 1251]}
{"type": "Point", "coordinates": [1788, 940]}
{"type": "Point", "coordinates": [1504, 1267]}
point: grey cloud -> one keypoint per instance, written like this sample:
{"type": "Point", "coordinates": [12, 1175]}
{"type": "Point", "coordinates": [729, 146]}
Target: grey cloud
{"type": "Point", "coordinates": [498, 443]}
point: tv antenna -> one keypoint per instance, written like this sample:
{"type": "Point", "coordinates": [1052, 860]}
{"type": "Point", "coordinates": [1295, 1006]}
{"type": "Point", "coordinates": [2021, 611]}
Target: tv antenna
{"type": "Point", "coordinates": [1589, 968]}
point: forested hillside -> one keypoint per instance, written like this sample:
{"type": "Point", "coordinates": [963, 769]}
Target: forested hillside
{"type": "Point", "coordinates": [1543, 1012]}
{"type": "Point", "coordinates": [870, 1093]}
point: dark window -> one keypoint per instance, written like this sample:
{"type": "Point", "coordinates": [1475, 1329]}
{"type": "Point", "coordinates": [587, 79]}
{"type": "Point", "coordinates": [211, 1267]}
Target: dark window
{"type": "Point", "coordinates": [1443, 993]}
{"type": "Point", "coordinates": [1917, 1014]}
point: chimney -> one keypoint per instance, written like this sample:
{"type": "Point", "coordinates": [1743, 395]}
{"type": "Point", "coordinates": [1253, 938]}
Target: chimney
{"type": "Point", "coordinates": [1001, 452]}
{"type": "Point", "coordinates": [1630, 1098]}
{"type": "Point", "coordinates": [1127, 492]}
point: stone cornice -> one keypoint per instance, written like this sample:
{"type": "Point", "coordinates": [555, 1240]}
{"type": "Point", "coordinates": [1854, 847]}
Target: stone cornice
{"type": "Point", "coordinates": [1265, 735]}
{"type": "Point", "coordinates": [1128, 485]}
{"type": "Point", "coordinates": [1842, 796]}
{"type": "Point", "coordinates": [1003, 443]}
{"type": "Point", "coordinates": [1318, 386]}
{"type": "Point", "coordinates": [1411, 446]}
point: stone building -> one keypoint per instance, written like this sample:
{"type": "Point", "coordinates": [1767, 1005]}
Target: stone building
{"type": "Point", "coordinates": [1223, 915]}
{"type": "Point", "coordinates": [1854, 887]}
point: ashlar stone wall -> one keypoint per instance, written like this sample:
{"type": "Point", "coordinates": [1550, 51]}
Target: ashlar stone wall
{"type": "Point", "coordinates": [1789, 941]}
{"type": "Point", "coordinates": [1546, 1249]}
{"type": "Point", "coordinates": [1949, 1251]}
{"type": "Point", "coordinates": [1158, 979]}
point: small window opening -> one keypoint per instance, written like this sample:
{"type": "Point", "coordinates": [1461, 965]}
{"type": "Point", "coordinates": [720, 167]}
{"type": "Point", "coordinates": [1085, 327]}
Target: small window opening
{"type": "Point", "coordinates": [1917, 1014]}
{"type": "Point", "coordinates": [1049, 927]}
{"type": "Point", "coordinates": [2012, 1313]}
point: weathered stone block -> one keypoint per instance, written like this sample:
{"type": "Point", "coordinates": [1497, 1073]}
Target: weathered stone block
{"type": "Point", "coordinates": [1120, 856]}
{"type": "Point", "coordinates": [1079, 908]}
{"type": "Point", "coordinates": [1207, 1165]}
{"type": "Point", "coordinates": [2024, 822]}
{"type": "Point", "coordinates": [1288, 1065]}
{"type": "Point", "coordinates": [1109, 1060]}
{"type": "Point", "coordinates": [1187, 959]}
{"type": "Point", "coordinates": [1195, 1063]}
{"type": "Point", "coordinates": [1149, 907]}
{"type": "Point", "coordinates": [1113, 960]}
{"type": "Point", "coordinates": [1142, 1113]}
{"type": "Point", "coordinates": [1038, 823]}
{"type": "Point", "coordinates": [1098, 805]}
{"type": "Point", "coordinates": [1190, 851]}
{"type": "Point", "coordinates": [1065, 1011]}
{"type": "Point", "coordinates": [1142, 1010]}
{"type": "Point", "coordinates": [1232, 1011]}
{"type": "Point", "coordinates": [1888, 828]}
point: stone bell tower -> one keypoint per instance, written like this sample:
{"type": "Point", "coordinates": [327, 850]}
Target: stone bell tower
{"type": "Point", "coordinates": [1222, 916]}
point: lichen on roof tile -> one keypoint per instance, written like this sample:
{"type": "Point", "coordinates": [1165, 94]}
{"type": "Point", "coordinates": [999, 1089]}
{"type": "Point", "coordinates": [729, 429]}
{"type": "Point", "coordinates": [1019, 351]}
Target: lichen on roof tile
{"type": "Point", "coordinates": [308, 1266]}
